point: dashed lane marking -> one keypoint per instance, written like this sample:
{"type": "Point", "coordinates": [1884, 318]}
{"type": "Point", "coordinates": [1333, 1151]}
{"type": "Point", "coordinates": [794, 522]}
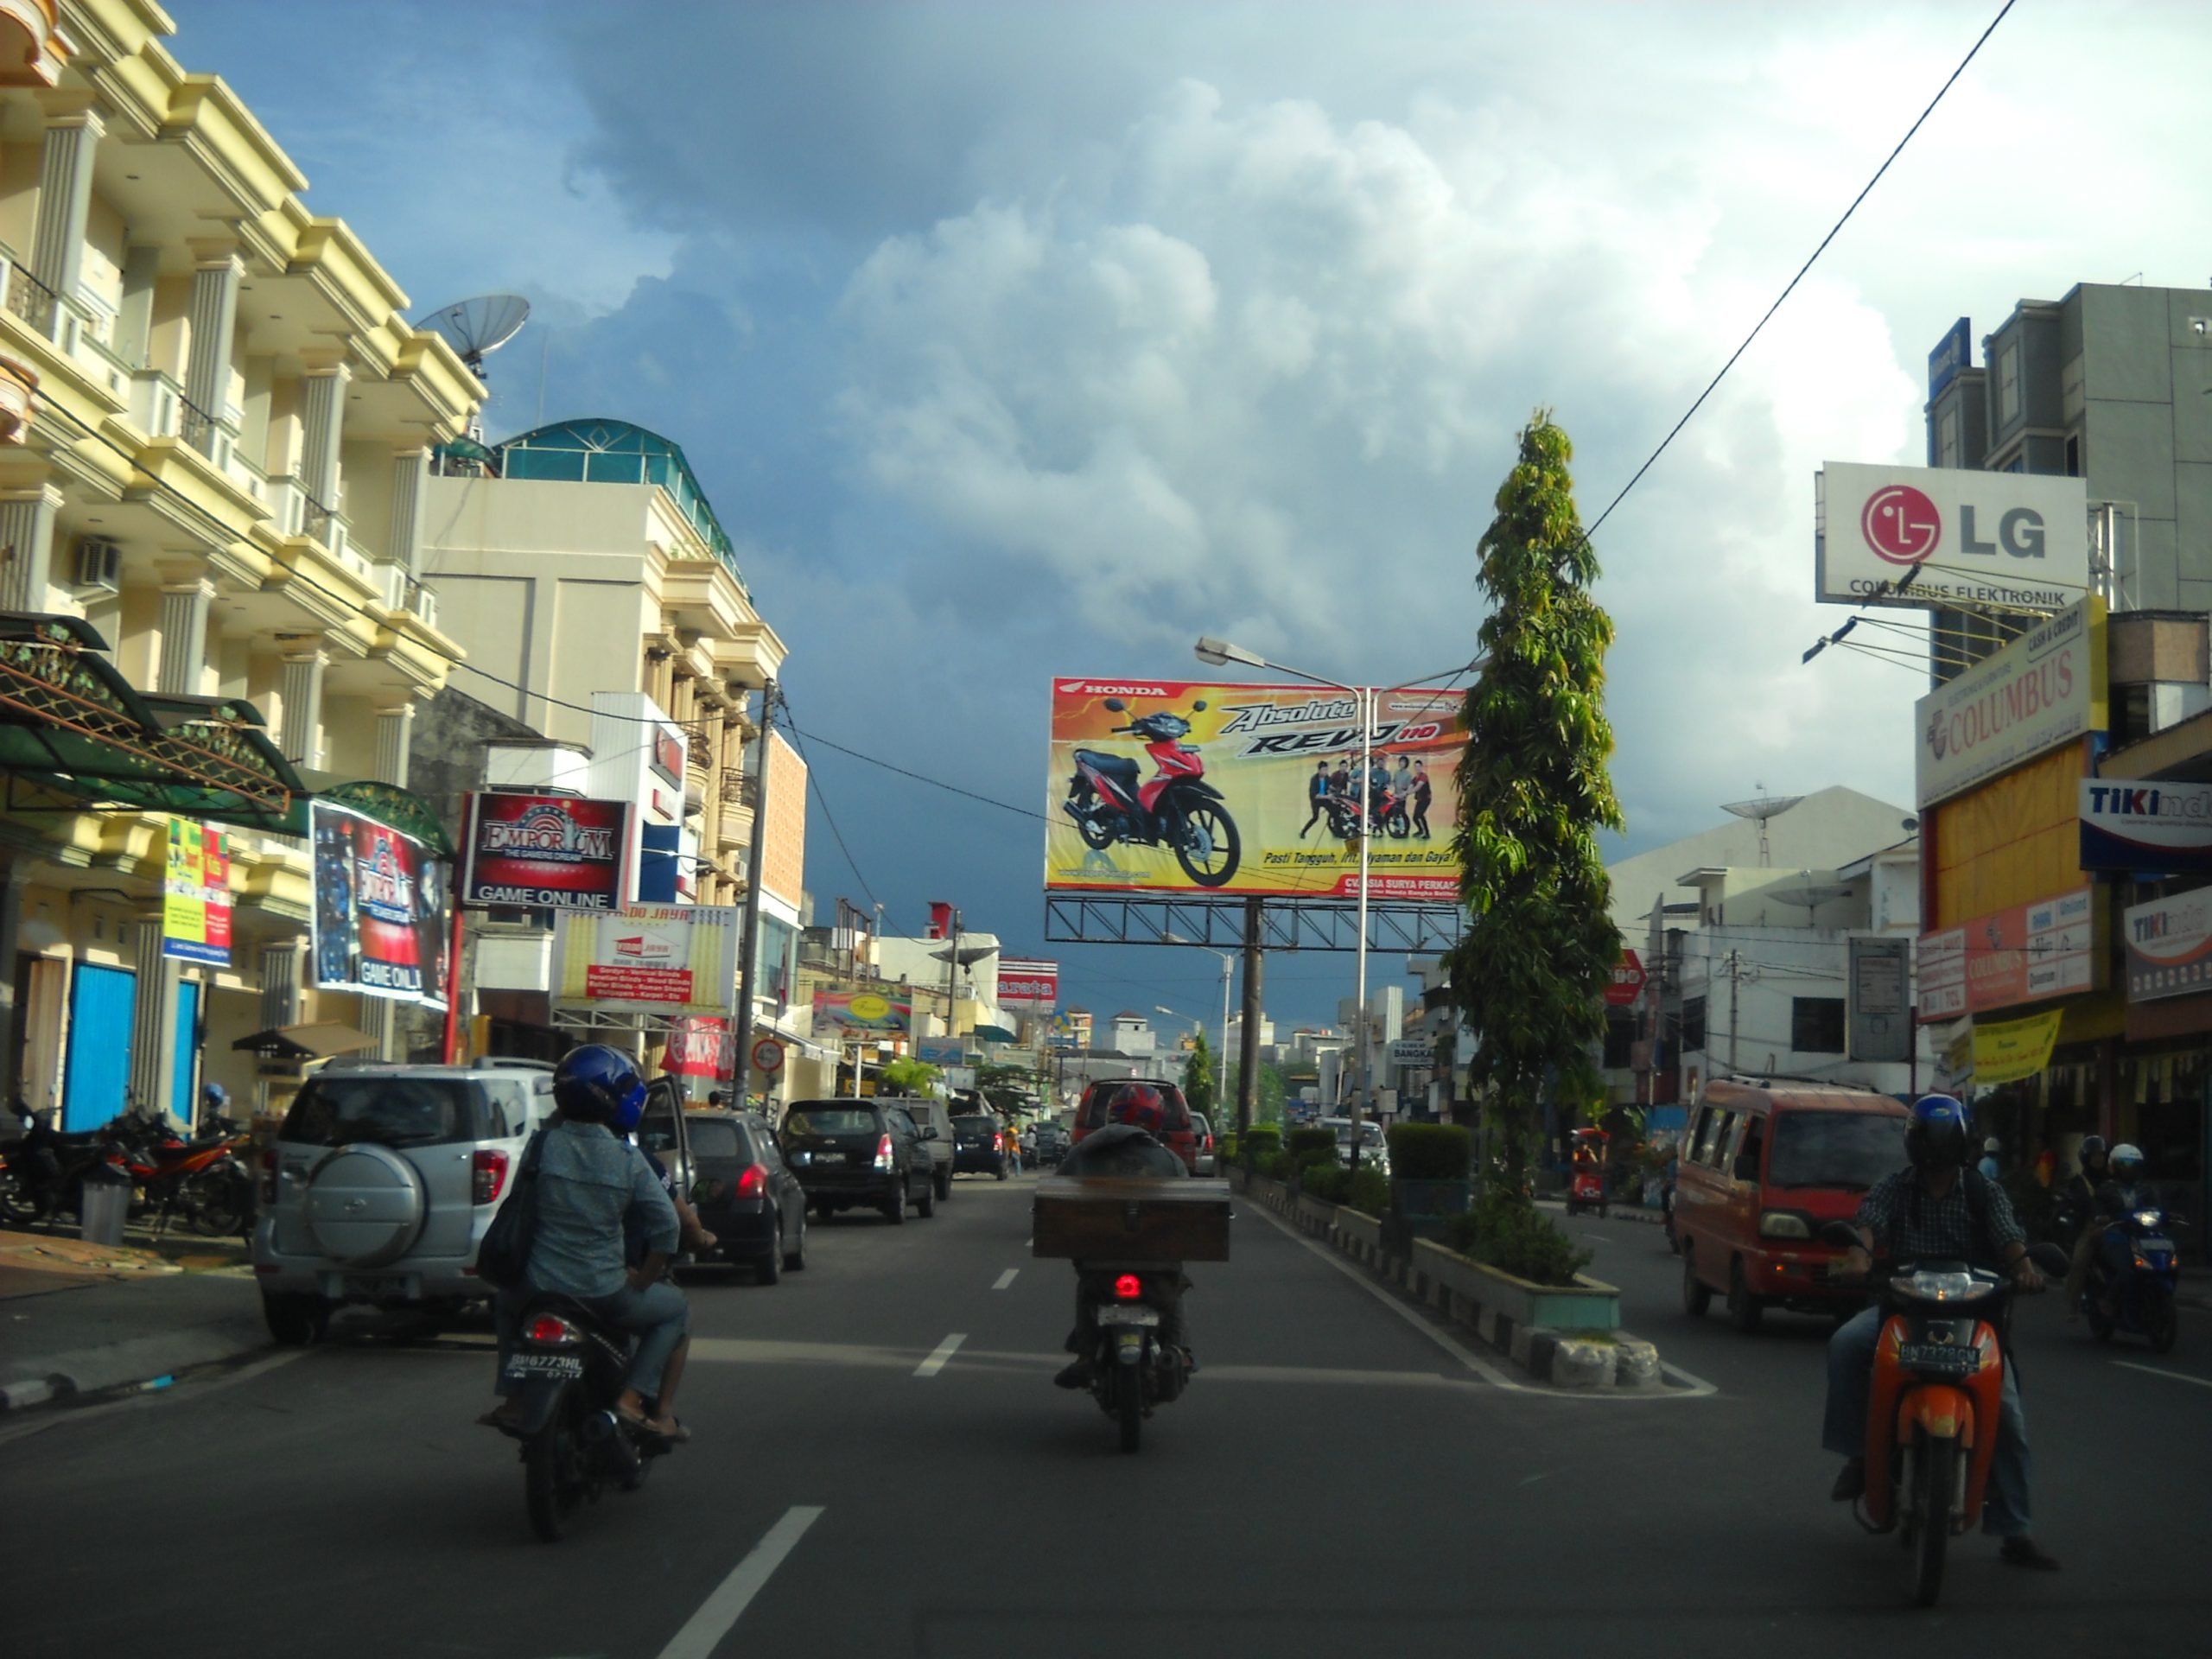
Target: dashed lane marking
{"type": "Point", "coordinates": [940, 1354]}
{"type": "Point", "coordinates": [1005, 1278]}
{"type": "Point", "coordinates": [703, 1632]}
{"type": "Point", "coordinates": [2155, 1370]}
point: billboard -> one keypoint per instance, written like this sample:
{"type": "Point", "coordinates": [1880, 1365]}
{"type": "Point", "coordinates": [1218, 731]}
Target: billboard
{"type": "Point", "coordinates": [196, 895]}
{"type": "Point", "coordinates": [2014, 1049]}
{"type": "Point", "coordinates": [545, 852]}
{"type": "Point", "coordinates": [648, 958]}
{"type": "Point", "coordinates": [379, 922]}
{"type": "Point", "coordinates": [701, 1046]}
{"type": "Point", "coordinates": [2169, 946]}
{"type": "Point", "coordinates": [1880, 1015]}
{"type": "Point", "coordinates": [1963, 536]}
{"type": "Point", "coordinates": [2023, 954]}
{"type": "Point", "coordinates": [2044, 689]}
{"type": "Point", "coordinates": [1024, 983]}
{"type": "Point", "coordinates": [2161, 828]}
{"type": "Point", "coordinates": [861, 1013]}
{"type": "Point", "coordinates": [1187, 786]}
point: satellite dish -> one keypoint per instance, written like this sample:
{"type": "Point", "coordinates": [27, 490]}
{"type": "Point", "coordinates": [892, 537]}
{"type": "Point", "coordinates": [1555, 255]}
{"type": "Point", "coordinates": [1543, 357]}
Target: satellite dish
{"type": "Point", "coordinates": [1767, 806]}
{"type": "Point", "coordinates": [477, 327]}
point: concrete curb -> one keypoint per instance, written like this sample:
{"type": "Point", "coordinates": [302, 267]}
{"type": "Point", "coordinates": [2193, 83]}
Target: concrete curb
{"type": "Point", "coordinates": [54, 1378]}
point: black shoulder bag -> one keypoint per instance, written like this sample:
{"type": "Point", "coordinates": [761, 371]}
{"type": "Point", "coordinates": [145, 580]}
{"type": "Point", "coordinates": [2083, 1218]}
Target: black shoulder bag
{"type": "Point", "coordinates": [504, 1257]}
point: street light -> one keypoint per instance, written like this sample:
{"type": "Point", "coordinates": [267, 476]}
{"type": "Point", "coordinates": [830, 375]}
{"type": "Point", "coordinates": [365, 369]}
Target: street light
{"type": "Point", "coordinates": [1217, 652]}
{"type": "Point", "coordinates": [1221, 1054]}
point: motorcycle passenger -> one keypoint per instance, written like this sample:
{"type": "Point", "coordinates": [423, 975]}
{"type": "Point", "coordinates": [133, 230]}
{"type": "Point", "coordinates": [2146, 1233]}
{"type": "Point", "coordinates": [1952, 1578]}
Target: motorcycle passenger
{"type": "Point", "coordinates": [590, 1179]}
{"type": "Point", "coordinates": [2122, 1194]}
{"type": "Point", "coordinates": [1936, 1209]}
{"type": "Point", "coordinates": [1988, 1166]}
{"type": "Point", "coordinates": [2079, 1197]}
{"type": "Point", "coordinates": [1127, 1146]}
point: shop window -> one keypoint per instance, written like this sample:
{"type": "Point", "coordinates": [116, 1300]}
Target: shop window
{"type": "Point", "coordinates": [1817, 1025]}
{"type": "Point", "coordinates": [1693, 1024]}
{"type": "Point", "coordinates": [1620, 1036]}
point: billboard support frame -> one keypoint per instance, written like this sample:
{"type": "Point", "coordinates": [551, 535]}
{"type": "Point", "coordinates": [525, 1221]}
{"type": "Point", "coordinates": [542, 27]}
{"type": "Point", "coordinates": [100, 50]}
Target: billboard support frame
{"type": "Point", "coordinates": [1219, 923]}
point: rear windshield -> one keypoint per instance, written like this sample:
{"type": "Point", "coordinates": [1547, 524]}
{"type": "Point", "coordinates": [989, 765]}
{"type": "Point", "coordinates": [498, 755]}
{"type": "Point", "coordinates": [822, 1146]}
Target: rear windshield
{"type": "Point", "coordinates": [972, 1128]}
{"type": "Point", "coordinates": [1845, 1149]}
{"type": "Point", "coordinates": [1095, 1105]}
{"type": "Point", "coordinates": [831, 1119]}
{"type": "Point", "coordinates": [337, 1111]}
{"type": "Point", "coordinates": [713, 1138]}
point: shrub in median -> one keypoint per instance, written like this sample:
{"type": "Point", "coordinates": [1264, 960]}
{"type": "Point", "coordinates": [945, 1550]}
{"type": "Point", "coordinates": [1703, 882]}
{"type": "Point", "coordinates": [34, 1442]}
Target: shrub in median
{"type": "Point", "coordinates": [1505, 1231]}
{"type": "Point", "coordinates": [1257, 1143]}
{"type": "Point", "coordinates": [1429, 1151]}
{"type": "Point", "coordinates": [1310, 1146]}
{"type": "Point", "coordinates": [1370, 1191]}
{"type": "Point", "coordinates": [1327, 1183]}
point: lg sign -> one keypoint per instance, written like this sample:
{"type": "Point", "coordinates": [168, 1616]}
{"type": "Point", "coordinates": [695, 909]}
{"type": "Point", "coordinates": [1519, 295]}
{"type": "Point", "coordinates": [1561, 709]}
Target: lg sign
{"type": "Point", "coordinates": [1950, 536]}
{"type": "Point", "coordinates": [1904, 527]}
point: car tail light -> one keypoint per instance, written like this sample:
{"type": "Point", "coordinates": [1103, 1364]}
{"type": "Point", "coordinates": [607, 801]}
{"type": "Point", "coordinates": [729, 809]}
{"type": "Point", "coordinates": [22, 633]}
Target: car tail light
{"type": "Point", "coordinates": [998, 1142]}
{"type": "Point", "coordinates": [552, 1328]}
{"type": "Point", "coordinates": [488, 1176]}
{"type": "Point", "coordinates": [268, 1178]}
{"type": "Point", "coordinates": [753, 1184]}
{"type": "Point", "coordinates": [1127, 1287]}
{"type": "Point", "coordinates": [883, 1158]}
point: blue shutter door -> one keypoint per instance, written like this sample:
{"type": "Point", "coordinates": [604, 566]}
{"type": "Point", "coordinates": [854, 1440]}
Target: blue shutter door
{"type": "Point", "coordinates": [100, 1045]}
{"type": "Point", "coordinates": [181, 1096]}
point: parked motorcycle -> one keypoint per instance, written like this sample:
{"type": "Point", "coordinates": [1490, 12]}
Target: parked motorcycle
{"type": "Point", "coordinates": [569, 1373]}
{"type": "Point", "coordinates": [42, 1177]}
{"type": "Point", "coordinates": [1177, 808]}
{"type": "Point", "coordinates": [2133, 1278]}
{"type": "Point", "coordinates": [200, 1180]}
{"type": "Point", "coordinates": [1132, 1369]}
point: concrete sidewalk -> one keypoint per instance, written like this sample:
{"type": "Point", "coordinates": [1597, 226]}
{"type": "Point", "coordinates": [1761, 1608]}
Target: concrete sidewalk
{"type": "Point", "coordinates": [78, 1319]}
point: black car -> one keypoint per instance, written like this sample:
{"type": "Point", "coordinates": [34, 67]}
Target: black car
{"type": "Point", "coordinates": [745, 1194]}
{"type": "Point", "coordinates": [848, 1153]}
{"type": "Point", "coordinates": [978, 1145]}
{"type": "Point", "coordinates": [1048, 1144]}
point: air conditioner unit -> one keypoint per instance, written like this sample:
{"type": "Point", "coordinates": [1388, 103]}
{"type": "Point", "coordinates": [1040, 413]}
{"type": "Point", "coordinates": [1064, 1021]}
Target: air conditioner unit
{"type": "Point", "coordinates": [99, 564]}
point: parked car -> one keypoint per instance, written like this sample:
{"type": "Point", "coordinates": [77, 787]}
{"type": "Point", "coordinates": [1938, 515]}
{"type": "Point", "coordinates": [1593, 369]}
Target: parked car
{"type": "Point", "coordinates": [1090, 1115]}
{"type": "Point", "coordinates": [746, 1194]}
{"type": "Point", "coordinates": [1763, 1166]}
{"type": "Point", "coordinates": [1202, 1127]}
{"type": "Point", "coordinates": [1048, 1144]}
{"type": "Point", "coordinates": [932, 1114]}
{"type": "Point", "coordinates": [871, 1154]}
{"type": "Point", "coordinates": [381, 1184]}
{"type": "Point", "coordinates": [978, 1145]}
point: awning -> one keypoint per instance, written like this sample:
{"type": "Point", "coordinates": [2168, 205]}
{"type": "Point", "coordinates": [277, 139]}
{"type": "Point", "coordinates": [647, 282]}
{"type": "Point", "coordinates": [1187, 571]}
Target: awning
{"type": "Point", "coordinates": [388, 804]}
{"type": "Point", "coordinates": [995, 1034]}
{"type": "Point", "coordinates": [317, 1041]}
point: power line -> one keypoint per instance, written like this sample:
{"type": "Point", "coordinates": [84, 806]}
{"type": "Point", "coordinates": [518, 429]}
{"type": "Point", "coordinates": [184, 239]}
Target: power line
{"type": "Point", "coordinates": [814, 782]}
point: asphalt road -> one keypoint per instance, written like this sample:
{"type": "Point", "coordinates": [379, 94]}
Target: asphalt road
{"type": "Point", "coordinates": [1337, 1481]}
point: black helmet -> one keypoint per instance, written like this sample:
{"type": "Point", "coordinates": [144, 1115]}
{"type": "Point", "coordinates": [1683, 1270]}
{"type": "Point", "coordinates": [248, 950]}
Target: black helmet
{"type": "Point", "coordinates": [598, 1085]}
{"type": "Point", "coordinates": [2093, 1145]}
{"type": "Point", "coordinates": [1936, 1137]}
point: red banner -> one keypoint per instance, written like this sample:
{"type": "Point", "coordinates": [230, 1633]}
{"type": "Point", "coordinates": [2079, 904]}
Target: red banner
{"type": "Point", "coordinates": [701, 1046]}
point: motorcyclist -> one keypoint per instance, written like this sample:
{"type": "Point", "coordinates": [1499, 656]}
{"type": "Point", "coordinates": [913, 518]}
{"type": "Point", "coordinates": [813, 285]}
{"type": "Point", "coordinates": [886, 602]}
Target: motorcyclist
{"type": "Point", "coordinates": [589, 1180]}
{"type": "Point", "coordinates": [1989, 1166]}
{"type": "Point", "coordinates": [1936, 1209]}
{"type": "Point", "coordinates": [2078, 1200]}
{"type": "Point", "coordinates": [1128, 1146]}
{"type": "Point", "coordinates": [2124, 1192]}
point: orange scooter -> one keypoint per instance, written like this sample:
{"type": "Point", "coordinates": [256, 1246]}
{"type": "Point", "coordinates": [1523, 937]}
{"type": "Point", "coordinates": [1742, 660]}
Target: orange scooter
{"type": "Point", "coordinates": [1932, 1413]}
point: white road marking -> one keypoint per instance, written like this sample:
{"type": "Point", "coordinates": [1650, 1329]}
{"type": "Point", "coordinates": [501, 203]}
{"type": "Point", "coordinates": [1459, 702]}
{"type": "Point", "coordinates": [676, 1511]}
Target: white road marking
{"type": "Point", "coordinates": [941, 1353]}
{"type": "Point", "coordinates": [703, 1632]}
{"type": "Point", "coordinates": [1006, 1279]}
{"type": "Point", "coordinates": [2153, 1370]}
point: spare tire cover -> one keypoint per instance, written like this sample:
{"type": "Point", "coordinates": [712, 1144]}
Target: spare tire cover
{"type": "Point", "coordinates": [366, 1205]}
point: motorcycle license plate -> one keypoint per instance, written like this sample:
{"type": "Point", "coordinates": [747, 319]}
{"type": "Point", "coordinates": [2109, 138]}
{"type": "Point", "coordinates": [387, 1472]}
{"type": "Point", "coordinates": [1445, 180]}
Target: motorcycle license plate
{"type": "Point", "coordinates": [520, 1368]}
{"type": "Point", "coordinates": [1941, 1357]}
{"type": "Point", "coordinates": [1132, 1316]}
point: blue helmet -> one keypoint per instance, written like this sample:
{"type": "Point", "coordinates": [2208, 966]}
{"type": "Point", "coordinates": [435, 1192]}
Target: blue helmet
{"type": "Point", "coordinates": [216, 1095]}
{"type": "Point", "coordinates": [1936, 1135]}
{"type": "Point", "coordinates": [598, 1085]}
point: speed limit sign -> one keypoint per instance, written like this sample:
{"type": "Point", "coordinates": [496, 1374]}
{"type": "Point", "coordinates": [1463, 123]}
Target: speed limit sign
{"type": "Point", "coordinates": [767, 1055]}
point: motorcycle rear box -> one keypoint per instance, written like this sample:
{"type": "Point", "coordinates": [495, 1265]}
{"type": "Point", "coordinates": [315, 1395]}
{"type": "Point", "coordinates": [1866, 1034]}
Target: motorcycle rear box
{"type": "Point", "coordinates": [1097, 1218]}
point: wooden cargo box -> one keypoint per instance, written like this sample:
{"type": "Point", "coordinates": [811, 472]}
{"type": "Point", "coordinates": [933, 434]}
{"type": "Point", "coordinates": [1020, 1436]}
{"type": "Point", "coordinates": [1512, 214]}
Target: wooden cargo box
{"type": "Point", "coordinates": [1105, 1218]}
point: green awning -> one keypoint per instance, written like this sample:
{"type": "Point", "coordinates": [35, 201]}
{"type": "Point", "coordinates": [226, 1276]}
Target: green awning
{"type": "Point", "coordinates": [389, 805]}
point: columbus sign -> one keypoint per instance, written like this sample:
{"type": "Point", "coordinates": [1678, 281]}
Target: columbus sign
{"type": "Point", "coordinates": [2045, 689]}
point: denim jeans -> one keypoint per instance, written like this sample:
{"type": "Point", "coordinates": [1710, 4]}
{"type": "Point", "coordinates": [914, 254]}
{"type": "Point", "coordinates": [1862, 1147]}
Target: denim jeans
{"type": "Point", "coordinates": [1850, 1376]}
{"type": "Point", "coordinates": [658, 1316]}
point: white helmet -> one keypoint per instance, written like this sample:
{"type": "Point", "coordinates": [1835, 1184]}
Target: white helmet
{"type": "Point", "coordinates": [1992, 1145]}
{"type": "Point", "coordinates": [2127, 1160]}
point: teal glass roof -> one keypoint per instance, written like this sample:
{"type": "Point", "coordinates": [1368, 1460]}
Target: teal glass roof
{"type": "Point", "coordinates": [599, 451]}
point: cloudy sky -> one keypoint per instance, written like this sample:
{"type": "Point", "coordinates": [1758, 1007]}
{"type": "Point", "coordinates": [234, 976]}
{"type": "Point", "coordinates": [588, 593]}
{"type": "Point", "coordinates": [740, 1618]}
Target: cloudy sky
{"type": "Point", "coordinates": [1024, 339]}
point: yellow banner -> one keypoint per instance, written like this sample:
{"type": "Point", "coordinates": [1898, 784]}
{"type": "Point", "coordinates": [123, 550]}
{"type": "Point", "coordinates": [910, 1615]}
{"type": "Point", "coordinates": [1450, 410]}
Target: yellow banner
{"type": "Point", "coordinates": [2013, 1049]}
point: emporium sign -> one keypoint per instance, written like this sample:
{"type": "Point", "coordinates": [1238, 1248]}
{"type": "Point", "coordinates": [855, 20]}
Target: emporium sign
{"type": "Point", "coordinates": [2158, 827]}
{"type": "Point", "coordinates": [2169, 946]}
{"type": "Point", "coordinates": [2045, 689]}
{"type": "Point", "coordinates": [545, 852]}
{"type": "Point", "coordinates": [1948, 535]}
{"type": "Point", "coordinates": [2021, 955]}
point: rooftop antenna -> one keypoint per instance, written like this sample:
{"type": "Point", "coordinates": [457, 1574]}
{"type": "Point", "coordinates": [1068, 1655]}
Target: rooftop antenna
{"type": "Point", "coordinates": [476, 328]}
{"type": "Point", "coordinates": [1765, 807]}
{"type": "Point", "coordinates": [1809, 894]}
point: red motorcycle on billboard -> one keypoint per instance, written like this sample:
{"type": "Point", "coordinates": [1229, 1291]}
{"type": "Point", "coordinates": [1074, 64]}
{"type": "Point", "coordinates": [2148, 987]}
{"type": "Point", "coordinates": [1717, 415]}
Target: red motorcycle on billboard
{"type": "Point", "coordinates": [1177, 808]}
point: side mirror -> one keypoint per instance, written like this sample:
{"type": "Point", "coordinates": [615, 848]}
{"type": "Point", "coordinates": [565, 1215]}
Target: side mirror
{"type": "Point", "coordinates": [1747, 1167]}
{"type": "Point", "coordinates": [929, 1132]}
{"type": "Point", "coordinates": [1841, 1234]}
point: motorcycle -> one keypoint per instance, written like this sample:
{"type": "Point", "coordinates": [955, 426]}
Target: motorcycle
{"type": "Point", "coordinates": [1132, 1369]}
{"type": "Point", "coordinates": [42, 1180]}
{"type": "Point", "coordinates": [202, 1179]}
{"type": "Point", "coordinates": [2132, 1277]}
{"type": "Point", "coordinates": [1932, 1416]}
{"type": "Point", "coordinates": [568, 1373]}
{"type": "Point", "coordinates": [1178, 808]}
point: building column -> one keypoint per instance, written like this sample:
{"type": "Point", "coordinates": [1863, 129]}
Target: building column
{"type": "Point", "coordinates": [301, 689]}
{"type": "Point", "coordinates": [65, 201]}
{"type": "Point", "coordinates": [395, 731]}
{"type": "Point", "coordinates": [186, 596]}
{"type": "Point", "coordinates": [27, 542]}
{"type": "Point", "coordinates": [153, 1020]}
{"type": "Point", "coordinates": [322, 419]}
{"type": "Point", "coordinates": [216, 275]}
{"type": "Point", "coordinates": [409, 469]}
{"type": "Point", "coordinates": [280, 1000]}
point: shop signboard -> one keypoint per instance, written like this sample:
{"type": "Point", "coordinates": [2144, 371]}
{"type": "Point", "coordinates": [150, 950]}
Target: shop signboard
{"type": "Point", "coordinates": [1412, 1052]}
{"type": "Point", "coordinates": [2161, 828]}
{"type": "Point", "coordinates": [856, 1013]}
{"type": "Point", "coordinates": [2169, 943]}
{"type": "Point", "coordinates": [1948, 535]}
{"type": "Point", "coordinates": [2044, 689]}
{"type": "Point", "coordinates": [196, 895]}
{"type": "Point", "coordinates": [647, 958]}
{"type": "Point", "coordinates": [379, 920]}
{"type": "Point", "coordinates": [1881, 1022]}
{"type": "Point", "coordinates": [1028, 984]}
{"type": "Point", "coordinates": [545, 852]}
{"type": "Point", "coordinates": [2021, 955]}
{"type": "Point", "coordinates": [2008, 1051]}
{"type": "Point", "coordinates": [1266, 773]}
{"type": "Point", "coordinates": [701, 1046]}
{"type": "Point", "coordinates": [1953, 352]}
{"type": "Point", "coordinates": [940, 1050]}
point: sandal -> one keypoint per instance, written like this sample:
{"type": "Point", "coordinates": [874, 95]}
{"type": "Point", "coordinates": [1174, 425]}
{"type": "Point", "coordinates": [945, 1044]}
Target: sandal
{"type": "Point", "coordinates": [501, 1417]}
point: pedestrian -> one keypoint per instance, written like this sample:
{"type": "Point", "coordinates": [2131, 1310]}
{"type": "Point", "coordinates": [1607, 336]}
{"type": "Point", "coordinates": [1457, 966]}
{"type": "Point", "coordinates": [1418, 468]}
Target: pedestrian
{"type": "Point", "coordinates": [1317, 797]}
{"type": "Point", "coordinates": [1421, 798]}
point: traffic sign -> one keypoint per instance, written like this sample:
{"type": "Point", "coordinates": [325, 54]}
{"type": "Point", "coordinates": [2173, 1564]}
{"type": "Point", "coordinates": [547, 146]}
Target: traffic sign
{"type": "Point", "coordinates": [1628, 981]}
{"type": "Point", "coordinates": [767, 1056]}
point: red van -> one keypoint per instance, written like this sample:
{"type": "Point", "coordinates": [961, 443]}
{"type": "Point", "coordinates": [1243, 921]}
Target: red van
{"type": "Point", "coordinates": [1181, 1134]}
{"type": "Point", "coordinates": [1764, 1162]}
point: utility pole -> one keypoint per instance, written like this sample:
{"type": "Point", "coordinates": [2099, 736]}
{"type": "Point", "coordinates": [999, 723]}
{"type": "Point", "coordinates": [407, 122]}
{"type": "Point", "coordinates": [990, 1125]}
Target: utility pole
{"type": "Point", "coordinates": [749, 936]}
{"type": "Point", "coordinates": [1735, 977]}
{"type": "Point", "coordinates": [1248, 1085]}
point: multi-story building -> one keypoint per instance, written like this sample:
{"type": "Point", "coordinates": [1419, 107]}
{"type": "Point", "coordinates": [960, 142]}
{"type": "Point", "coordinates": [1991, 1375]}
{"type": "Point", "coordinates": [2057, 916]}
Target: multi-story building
{"type": "Point", "coordinates": [219, 425]}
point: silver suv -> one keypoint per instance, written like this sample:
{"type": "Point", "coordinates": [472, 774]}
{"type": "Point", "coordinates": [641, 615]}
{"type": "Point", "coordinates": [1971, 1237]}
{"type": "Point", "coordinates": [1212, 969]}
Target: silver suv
{"type": "Point", "coordinates": [381, 1185]}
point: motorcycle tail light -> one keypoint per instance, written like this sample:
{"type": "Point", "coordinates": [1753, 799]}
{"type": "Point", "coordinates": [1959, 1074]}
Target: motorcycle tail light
{"type": "Point", "coordinates": [1127, 1287]}
{"type": "Point", "coordinates": [552, 1328]}
{"type": "Point", "coordinates": [753, 1184]}
{"type": "Point", "coordinates": [883, 1160]}
{"type": "Point", "coordinates": [269, 1177]}
{"type": "Point", "coordinates": [488, 1176]}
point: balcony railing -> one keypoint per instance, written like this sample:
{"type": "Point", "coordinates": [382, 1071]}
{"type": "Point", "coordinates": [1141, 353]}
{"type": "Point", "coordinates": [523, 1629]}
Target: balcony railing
{"type": "Point", "coordinates": [200, 430]}
{"type": "Point", "coordinates": [738, 788]}
{"type": "Point", "coordinates": [701, 743]}
{"type": "Point", "coordinates": [30, 298]}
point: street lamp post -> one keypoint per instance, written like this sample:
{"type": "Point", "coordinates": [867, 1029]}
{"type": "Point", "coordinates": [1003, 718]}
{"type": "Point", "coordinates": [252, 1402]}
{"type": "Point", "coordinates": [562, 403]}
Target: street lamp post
{"type": "Point", "coordinates": [1221, 1054]}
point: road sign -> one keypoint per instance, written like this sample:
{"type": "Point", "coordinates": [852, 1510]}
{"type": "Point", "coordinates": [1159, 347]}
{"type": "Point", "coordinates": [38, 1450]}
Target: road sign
{"type": "Point", "coordinates": [767, 1056]}
{"type": "Point", "coordinates": [1628, 981]}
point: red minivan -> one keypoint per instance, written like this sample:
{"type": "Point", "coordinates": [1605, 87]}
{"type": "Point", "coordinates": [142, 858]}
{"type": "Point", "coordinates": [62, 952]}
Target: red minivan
{"type": "Point", "coordinates": [1764, 1163]}
{"type": "Point", "coordinates": [1181, 1136]}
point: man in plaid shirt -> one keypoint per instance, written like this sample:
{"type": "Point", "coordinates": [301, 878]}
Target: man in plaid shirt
{"type": "Point", "coordinates": [1937, 1210]}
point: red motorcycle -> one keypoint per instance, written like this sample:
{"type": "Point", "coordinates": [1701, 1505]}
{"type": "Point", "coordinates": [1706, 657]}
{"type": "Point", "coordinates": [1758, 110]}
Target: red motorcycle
{"type": "Point", "coordinates": [1177, 808]}
{"type": "Point", "coordinates": [201, 1180]}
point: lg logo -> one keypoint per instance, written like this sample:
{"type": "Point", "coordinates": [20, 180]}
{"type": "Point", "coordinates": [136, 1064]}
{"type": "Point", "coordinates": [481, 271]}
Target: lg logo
{"type": "Point", "coordinates": [1903, 526]}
